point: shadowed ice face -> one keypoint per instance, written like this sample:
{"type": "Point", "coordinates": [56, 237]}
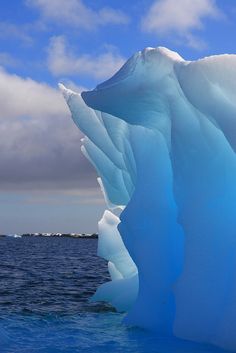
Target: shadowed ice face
{"type": "Point", "coordinates": [136, 91]}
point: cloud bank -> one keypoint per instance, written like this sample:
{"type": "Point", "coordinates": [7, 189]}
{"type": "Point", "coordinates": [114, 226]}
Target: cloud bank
{"type": "Point", "coordinates": [40, 146]}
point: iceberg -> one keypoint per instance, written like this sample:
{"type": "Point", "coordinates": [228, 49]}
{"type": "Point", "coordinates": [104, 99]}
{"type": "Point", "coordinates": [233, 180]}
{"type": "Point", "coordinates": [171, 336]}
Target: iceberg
{"type": "Point", "coordinates": [161, 134]}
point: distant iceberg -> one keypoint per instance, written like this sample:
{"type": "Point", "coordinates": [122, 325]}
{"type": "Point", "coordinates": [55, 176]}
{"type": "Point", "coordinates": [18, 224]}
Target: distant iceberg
{"type": "Point", "coordinates": [14, 235]}
{"type": "Point", "coordinates": [161, 134]}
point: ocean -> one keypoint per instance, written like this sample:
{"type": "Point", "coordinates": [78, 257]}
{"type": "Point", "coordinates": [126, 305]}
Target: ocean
{"type": "Point", "coordinates": [45, 287]}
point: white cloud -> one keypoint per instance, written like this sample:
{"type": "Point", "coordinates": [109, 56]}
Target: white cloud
{"type": "Point", "coordinates": [62, 61]}
{"type": "Point", "coordinates": [180, 18]}
{"type": "Point", "coordinates": [75, 13]}
{"type": "Point", "coordinates": [39, 143]}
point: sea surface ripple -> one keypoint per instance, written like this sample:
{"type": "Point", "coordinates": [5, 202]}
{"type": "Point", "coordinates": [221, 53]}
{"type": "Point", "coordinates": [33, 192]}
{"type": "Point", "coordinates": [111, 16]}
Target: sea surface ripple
{"type": "Point", "coordinates": [45, 286]}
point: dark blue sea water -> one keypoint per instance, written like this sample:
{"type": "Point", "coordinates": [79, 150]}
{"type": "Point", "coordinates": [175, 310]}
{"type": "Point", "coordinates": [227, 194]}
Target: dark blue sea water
{"type": "Point", "coordinates": [45, 286]}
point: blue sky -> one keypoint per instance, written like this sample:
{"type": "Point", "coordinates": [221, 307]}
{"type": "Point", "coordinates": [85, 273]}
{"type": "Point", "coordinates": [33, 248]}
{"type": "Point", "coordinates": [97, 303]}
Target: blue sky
{"type": "Point", "coordinates": [45, 182]}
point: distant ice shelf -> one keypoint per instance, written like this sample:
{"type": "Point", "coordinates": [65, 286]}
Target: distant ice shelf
{"type": "Point", "coordinates": [161, 134]}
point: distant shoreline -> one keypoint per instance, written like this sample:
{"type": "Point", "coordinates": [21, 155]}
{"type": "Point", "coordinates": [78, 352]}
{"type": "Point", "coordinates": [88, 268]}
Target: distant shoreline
{"type": "Point", "coordinates": [53, 235]}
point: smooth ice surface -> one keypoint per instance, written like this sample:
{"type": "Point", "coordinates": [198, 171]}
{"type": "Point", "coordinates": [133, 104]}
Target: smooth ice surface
{"type": "Point", "coordinates": [162, 135]}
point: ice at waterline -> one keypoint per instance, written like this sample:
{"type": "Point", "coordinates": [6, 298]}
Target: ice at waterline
{"type": "Point", "coordinates": [161, 134]}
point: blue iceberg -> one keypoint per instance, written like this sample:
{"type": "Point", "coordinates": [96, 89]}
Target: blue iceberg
{"type": "Point", "coordinates": [161, 134]}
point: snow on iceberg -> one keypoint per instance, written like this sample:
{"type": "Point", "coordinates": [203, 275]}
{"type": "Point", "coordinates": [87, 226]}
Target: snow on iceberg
{"type": "Point", "coordinates": [161, 134]}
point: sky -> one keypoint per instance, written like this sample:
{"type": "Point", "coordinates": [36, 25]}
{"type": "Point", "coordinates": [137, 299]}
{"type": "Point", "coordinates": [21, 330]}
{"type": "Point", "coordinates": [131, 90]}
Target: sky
{"type": "Point", "coordinates": [46, 185]}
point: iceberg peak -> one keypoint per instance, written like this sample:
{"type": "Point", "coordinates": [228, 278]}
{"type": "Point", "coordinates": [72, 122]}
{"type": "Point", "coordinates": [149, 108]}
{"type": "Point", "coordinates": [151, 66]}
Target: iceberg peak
{"type": "Point", "coordinates": [162, 51]}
